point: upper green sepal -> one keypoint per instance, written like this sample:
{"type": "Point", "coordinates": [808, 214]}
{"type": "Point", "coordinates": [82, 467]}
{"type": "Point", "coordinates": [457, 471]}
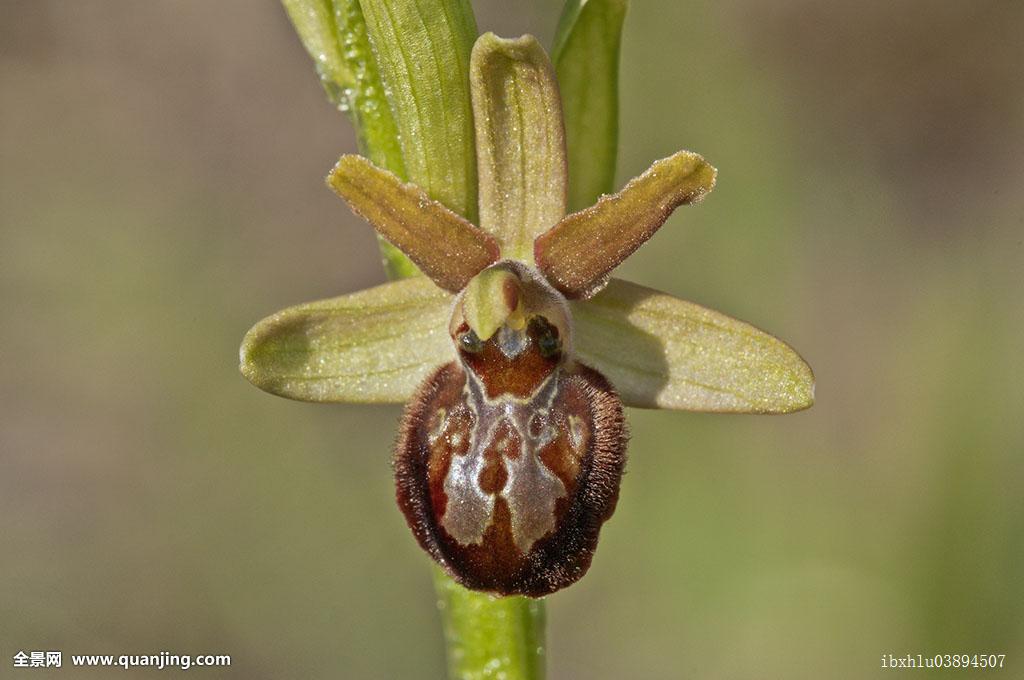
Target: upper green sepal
{"type": "Point", "coordinates": [520, 141]}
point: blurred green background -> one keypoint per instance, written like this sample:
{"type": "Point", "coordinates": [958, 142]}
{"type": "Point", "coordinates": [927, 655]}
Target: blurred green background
{"type": "Point", "coordinates": [161, 189]}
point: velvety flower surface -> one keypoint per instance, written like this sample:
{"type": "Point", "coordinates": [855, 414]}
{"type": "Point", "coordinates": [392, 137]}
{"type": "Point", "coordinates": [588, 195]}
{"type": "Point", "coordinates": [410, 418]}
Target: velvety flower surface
{"type": "Point", "coordinates": [515, 347]}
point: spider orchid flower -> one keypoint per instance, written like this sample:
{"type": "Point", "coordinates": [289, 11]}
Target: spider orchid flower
{"type": "Point", "coordinates": [516, 351]}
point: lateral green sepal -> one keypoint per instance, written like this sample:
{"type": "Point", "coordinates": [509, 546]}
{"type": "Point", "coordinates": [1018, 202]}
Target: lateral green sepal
{"type": "Point", "coordinates": [376, 345]}
{"type": "Point", "coordinates": [662, 352]}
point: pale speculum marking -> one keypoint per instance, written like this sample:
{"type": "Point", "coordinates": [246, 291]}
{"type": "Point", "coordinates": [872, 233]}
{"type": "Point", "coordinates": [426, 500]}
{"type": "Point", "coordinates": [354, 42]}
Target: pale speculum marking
{"type": "Point", "coordinates": [469, 508]}
{"type": "Point", "coordinates": [530, 490]}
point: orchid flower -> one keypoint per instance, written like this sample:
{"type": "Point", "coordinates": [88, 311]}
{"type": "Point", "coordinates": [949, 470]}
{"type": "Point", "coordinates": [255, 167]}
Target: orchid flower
{"type": "Point", "coordinates": [516, 349]}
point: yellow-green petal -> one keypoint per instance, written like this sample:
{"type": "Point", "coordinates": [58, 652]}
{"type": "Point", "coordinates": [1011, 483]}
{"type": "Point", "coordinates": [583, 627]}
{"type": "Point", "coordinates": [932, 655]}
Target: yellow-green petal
{"type": "Point", "coordinates": [586, 58]}
{"type": "Point", "coordinates": [520, 142]}
{"type": "Point", "coordinates": [374, 346]}
{"type": "Point", "coordinates": [579, 253]}
{"type": "Point", "coordinates": [445, 246]}
{"type": "Point", "coordinates": [662, 352]}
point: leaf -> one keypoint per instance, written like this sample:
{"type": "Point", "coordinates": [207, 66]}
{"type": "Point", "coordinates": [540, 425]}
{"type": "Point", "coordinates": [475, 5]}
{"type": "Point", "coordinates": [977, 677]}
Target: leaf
{"type": "Point", "coordinates": [520, 142]}
{"type": "Point", "coordinates": [334, 34]}
{"type": "Point", "coordinates": [376, 345]}
{"type": "Point", "coordinates": [662, 352]}
{"type": "Point", "coordinates": [422, 49]}
{"type": "Point", "coordinates": [578, 253]}
{"type": "Point", "coordinates": [586, 58]}
{"type": "Point", "coordinates": [445, 246]}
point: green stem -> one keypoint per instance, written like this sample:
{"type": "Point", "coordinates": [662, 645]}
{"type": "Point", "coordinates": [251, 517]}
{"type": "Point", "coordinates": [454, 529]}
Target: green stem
{"type": "Point", "coordinates": [367, 106]}
{"type": "Point", "coordinates": [490, 637]}
{"type": "Point", "coordinates": [486, 637]}
{"type": "Point", "coordinates": [334, 34]}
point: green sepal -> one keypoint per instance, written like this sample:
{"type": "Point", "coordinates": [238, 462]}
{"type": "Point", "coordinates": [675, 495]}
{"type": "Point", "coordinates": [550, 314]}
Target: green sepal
{"type": "Point", "coordinates": [662, 352]}
{"type": "Point", "coordinates": [520, 142]}
{"type": "Point", "coordinates": [586, 58]}
{"type": "Point", "coordinates": [374, 346]}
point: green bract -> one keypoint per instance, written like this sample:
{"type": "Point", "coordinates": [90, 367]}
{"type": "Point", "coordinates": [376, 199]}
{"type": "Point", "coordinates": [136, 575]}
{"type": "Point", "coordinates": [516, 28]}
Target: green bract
{"type": "Point", "coordinates": [586, 57]}
{"type": "Point", "coordinates": [659, 351]}
{"type": "Point", "coordinates": [422, 50]}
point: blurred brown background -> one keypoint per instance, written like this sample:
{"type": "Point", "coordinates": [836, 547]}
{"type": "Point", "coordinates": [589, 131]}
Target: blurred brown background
{"type": "Point", "coordinates": [161, 189]}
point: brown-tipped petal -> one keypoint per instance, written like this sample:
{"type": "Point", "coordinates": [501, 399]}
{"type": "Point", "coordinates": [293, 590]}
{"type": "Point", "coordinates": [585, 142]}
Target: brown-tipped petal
{"type": "Point", "coordinates": [374, 346]}
{"type": "Point", "coordinates": [443, 245]}
{"type": "Point", "coordinates": [662, 352]}
{"type": "Point", "coordinates": [579, 253]}
{"type": "Point", "coordinates": [520, 141]}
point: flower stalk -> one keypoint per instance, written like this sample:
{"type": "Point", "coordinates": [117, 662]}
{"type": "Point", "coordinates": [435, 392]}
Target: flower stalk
{"type": "Point", "coordinates": [488, 636]}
